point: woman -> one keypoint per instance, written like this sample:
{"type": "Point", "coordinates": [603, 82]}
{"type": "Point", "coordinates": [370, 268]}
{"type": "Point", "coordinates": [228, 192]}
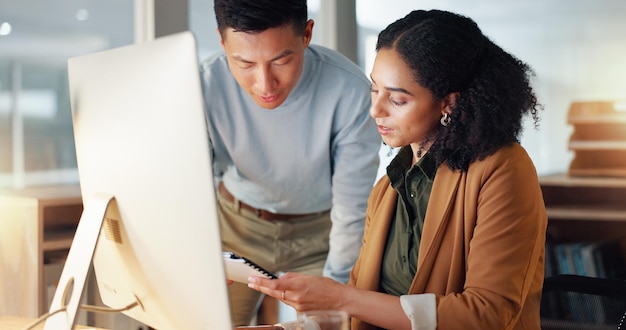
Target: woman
{"type": "Point", "coordinates": [455, 232]}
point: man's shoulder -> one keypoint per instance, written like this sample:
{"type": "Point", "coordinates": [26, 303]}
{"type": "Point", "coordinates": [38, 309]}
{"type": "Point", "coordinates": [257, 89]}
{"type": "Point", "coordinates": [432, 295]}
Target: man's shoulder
{"type": "Point", "coordinates": [215, 61]}
{"type": "Point", "coordinates": [216, 75]}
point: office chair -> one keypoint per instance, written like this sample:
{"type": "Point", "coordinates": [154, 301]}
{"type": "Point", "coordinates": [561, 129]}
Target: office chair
{"type": "Point", "coordinates": [575, 302]}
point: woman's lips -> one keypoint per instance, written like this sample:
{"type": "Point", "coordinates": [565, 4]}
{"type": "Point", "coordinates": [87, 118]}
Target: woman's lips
{"type": "Point", "coordinates": [382, 130]}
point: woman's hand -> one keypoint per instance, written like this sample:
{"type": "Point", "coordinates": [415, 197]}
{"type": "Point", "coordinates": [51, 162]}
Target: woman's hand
{"type": "Point", "coordinates": [306, 292]}
{"type": "Point", "coordinates": [302, 292]}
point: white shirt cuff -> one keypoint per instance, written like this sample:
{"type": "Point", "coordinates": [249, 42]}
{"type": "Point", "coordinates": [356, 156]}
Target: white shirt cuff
{"type": "Point", "coordinates": [421, 309]}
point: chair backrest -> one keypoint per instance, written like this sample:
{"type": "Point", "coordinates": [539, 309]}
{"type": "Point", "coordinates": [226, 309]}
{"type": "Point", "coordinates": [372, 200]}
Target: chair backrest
{"type": "Point", "coordinates": [575, 302]}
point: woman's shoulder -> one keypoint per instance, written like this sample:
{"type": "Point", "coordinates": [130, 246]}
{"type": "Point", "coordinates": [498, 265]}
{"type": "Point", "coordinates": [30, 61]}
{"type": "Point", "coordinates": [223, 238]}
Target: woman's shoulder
{"type": "Point", "coordinates": [380, 190]}
{"type": "Point", "coordinates": [513, 156]}
{"type": "Point", "coordinates": [510, 152]}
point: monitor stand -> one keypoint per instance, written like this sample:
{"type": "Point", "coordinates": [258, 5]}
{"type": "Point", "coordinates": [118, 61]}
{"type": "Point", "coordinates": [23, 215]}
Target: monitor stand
{"type": "Point", "coordinates": [66, 302]}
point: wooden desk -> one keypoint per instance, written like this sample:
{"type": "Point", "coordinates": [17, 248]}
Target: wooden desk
{"type": "Point", "coordinates": [19, 323]}
{"type": "Point", "coordinates": [36, 227]}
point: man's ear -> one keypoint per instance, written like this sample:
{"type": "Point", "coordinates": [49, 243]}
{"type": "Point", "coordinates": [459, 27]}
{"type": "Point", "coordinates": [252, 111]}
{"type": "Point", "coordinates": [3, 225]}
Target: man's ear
{"type": "Point", "coordinates": [308, 32]}
{"type": "Point", "coordinates": [219, 35]}
{"type": "Point", "coordinates": [449, 102]}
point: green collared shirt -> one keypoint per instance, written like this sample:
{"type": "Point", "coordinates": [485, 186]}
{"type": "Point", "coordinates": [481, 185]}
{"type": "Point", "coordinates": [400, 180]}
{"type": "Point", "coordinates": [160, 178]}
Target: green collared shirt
{"type": "Point", "coordinates": [413, 184]}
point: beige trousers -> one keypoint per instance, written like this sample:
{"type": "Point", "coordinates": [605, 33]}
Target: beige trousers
{"type": "Point", "coordinates": [296, 245]}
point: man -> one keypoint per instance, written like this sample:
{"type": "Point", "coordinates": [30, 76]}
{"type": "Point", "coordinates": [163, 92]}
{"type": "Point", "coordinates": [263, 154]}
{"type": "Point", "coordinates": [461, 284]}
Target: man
{"type": "Point", "coordinates": [294, 147]}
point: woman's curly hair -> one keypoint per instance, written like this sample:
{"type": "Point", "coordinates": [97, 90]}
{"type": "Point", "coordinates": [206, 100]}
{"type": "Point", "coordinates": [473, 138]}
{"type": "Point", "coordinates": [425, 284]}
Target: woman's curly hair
{"type": "Point", "coordinates": [448, 53]}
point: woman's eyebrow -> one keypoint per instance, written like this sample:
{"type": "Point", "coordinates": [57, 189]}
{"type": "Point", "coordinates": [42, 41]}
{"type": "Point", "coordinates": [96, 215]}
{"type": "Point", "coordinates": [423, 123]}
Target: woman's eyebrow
{"type": "Point", "coordinates": [398, 89]}
{"type": "Point", "coordinates": [393, 89]}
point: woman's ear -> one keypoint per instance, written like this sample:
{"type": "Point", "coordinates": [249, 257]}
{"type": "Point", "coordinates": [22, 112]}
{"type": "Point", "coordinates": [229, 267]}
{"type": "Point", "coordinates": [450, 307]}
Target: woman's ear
{"type": "Point", "coordinates": [449, 102]}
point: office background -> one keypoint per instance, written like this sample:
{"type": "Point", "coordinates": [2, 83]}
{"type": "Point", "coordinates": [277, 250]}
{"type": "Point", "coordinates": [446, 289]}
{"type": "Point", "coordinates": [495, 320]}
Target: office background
{"type": "Point", "coordinates": [576, 47]}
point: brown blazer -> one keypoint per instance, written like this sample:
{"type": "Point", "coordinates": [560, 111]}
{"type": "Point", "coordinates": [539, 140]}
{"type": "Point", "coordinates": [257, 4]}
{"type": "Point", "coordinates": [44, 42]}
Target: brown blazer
{"type": "Point", "coordinates": [482, 246]}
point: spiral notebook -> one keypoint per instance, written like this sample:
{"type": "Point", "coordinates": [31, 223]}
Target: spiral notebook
{"type": "Point", "coordinates": [239, 268]}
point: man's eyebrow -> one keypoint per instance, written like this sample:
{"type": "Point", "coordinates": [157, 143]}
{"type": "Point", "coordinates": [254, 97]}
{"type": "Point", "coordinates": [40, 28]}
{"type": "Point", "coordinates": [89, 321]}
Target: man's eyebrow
{"type": "Point", "coordinates": [393, 89]}
{"type": "Point", "coordinates": [281, 55]}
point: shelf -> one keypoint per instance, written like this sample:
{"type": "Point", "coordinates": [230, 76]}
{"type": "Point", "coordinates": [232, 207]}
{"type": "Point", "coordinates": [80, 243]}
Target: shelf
{"type": "Point", "coordinates": [576, 212]}
{"type": "Point", "coordinates": [599, 162]}
{"type": "Point", "coordinates": [38, 226]}
{"type": "Point", "coordinates": [550, 324]}
{"type": "Point", "coordinates": [598, 139]}
{"type": "Point", "coordinates": [58, 195]}
{"type": "Point", "coordinates": [584, 198]}
{"type": "Point", "coordinates": [597, 145]}
{"type": "Point", "coordinates": [599, 112]}
{"type": "Point", "coordinates": [565, 181]}
{"type": "Point", "coordinates": [585, 208]}
{"type": "Point", "coordinates": [599, 172]}
{"type": "Point", "coordinates": [607, 119]}
{"type": "Point", "coordinates": [58, 240]}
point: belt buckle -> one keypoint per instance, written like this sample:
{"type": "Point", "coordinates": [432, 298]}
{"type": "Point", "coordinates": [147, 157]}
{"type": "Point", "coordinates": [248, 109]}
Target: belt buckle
{"type": "Point", "coordinates": [259, 212]}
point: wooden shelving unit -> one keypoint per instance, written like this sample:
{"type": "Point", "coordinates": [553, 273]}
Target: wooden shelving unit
{"type": "Point", "coordinates": [588, 203]}
{"type": "Point", "coordinates": [37, 226]}
{"type": "Point", "coordinates": [582, 208]}
{"type": "Point", "coordinates": [599, 138]}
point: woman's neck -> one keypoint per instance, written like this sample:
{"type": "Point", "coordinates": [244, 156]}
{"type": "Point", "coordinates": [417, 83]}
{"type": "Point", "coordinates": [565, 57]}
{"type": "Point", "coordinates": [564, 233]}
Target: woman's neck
{"type": "Point", "coordinates": [419, 150]}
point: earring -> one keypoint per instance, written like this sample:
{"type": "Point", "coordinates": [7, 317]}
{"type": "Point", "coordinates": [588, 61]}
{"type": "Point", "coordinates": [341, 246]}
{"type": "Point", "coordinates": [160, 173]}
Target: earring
{"type": "Point", "coordinates": [445, 120]}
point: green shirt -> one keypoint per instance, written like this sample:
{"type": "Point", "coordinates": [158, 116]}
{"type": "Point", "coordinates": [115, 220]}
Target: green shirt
{"type": "Point", "coordinates": [413, 184]}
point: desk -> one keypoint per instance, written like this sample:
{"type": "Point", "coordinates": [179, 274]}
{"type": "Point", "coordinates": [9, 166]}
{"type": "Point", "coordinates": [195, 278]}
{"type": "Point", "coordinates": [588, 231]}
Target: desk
{"type": "Point", "coordinates": [36, 226]}
{"type": "Point", "coordinates": [19, 323]}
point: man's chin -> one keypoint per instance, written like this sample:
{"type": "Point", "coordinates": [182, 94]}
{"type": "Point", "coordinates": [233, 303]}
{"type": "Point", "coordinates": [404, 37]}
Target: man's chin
{"type": "Point", "coordinates": [269, 105]}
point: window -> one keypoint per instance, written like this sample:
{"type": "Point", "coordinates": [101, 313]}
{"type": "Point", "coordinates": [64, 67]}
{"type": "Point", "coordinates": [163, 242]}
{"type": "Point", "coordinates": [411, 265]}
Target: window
{"type": "Point", "coordinates": [36, 39]}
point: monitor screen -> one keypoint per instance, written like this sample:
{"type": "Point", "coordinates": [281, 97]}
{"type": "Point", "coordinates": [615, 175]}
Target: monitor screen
{"type": "Point", "coordinates": [141, 139]}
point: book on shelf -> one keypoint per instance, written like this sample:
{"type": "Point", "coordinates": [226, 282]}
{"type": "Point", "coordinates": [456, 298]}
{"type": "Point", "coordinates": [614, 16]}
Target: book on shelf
{"type": "Point", "coordinates": [601, 259]}
{"type": "Point", "coordinates": [594, 259]}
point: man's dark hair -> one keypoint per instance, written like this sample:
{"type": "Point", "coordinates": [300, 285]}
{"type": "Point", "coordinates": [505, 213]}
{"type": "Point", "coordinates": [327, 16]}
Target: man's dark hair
{"type": "Point", "coordinates": [260, 15]}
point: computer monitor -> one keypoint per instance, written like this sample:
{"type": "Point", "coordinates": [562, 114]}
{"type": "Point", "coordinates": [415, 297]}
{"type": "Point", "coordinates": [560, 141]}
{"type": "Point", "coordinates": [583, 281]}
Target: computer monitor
{"type": "Point", "coordinates": [146, 180]}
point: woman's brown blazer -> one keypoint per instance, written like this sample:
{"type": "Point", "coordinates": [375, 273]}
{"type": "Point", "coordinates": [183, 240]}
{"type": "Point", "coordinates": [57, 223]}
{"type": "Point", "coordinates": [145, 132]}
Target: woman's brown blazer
{"type": "Point", "coordinates": [482, 246]}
